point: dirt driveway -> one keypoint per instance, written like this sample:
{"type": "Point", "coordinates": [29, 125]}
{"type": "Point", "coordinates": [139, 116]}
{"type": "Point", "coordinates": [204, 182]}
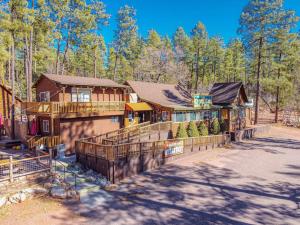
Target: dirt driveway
{"type": "Point", "coordinates": [256, 182]}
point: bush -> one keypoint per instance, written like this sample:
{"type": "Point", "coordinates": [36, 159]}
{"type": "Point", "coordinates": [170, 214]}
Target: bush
{"type": "Point", "coordinates": [215, 128]}
{"type": "Point", "coordinates": [203, 131]}
{"type": "Point", "coordinates": [181, 131]}
{"type": "Point", "coordinates": [223, 126]}
{"type": "Point", "coordinates": [192, 130]}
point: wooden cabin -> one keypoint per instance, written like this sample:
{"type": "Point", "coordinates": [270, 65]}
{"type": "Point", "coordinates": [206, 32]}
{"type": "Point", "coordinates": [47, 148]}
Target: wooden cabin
{"type": "Point", "coordinates": [232, 99]}
{"type": "Point", "coordinates": [170, 102]}
{"type": "Point", "coordinates": [5, 112]}
{"type": "Point", "coordinates": [74, 107]}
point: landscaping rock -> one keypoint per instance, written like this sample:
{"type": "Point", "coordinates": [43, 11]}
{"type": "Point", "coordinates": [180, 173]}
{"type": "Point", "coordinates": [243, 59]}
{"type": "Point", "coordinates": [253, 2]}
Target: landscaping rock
{"type": "Point", "coordinates": [58, 192]}
{"type": "Point", "coordinates": [22, 197]}
{"type": "Point", "coordinates": [48, 185]}
{"type": "Point", "coordinates": [91, 179]}
{"type": "Point", "coordinates": [71, 194]}
{"type": "Point", "coordinates": [33, 191]}
{"type": "Point", "coordinates": [3, 201]}
{"type": "Point", "coordinates": [15, 198]}
{"type": "Point", "coordinates": [90, 173]}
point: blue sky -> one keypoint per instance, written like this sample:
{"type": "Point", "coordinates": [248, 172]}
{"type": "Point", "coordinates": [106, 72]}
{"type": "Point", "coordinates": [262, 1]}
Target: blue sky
{"type": "Point", "coordinates": [221, 17]}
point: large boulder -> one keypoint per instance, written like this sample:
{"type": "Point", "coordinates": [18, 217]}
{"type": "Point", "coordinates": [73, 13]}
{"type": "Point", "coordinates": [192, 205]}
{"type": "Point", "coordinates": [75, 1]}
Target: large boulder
{"type": "Point", "coordinates": [58, 192]}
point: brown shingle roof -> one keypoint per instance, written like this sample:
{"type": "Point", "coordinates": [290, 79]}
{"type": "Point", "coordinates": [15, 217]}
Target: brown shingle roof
{"type": "Point", "coordinates": [80, 81]}
{"type": "Point", "coordinates": [226, 93]}
{"type": "Point", "coordinates": [167, 95]}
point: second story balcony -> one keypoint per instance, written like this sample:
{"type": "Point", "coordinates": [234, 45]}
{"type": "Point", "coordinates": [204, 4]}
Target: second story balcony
{"type": "Point", "coordinates": [65, 108]}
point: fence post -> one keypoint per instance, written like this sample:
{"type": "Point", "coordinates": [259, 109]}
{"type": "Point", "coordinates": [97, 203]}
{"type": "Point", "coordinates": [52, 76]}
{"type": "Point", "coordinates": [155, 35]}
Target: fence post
{"type": "Point", "coordinates": [37, 153]}
{"type": "Point", "coordinates": [158, 131]}
{"type": "Point", "coordinates": [11, 172]}
{"type": "Point", "coordinates": [50, 159]}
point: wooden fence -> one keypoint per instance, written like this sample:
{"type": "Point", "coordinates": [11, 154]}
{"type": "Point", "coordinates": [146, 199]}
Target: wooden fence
{"type": "Point", "coordinates": [121, 160]}
{"type": "Point", "coordinates": [12, 168]}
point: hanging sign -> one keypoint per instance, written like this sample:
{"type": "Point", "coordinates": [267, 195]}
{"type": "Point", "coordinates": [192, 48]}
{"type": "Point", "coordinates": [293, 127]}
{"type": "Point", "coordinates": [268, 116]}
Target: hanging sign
{"type": "Point", "coordinates": [202, 101]}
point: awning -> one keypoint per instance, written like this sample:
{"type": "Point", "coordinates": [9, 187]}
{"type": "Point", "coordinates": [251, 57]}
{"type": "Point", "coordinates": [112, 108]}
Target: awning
{"type": "Point", "coordinates": [140, 106]}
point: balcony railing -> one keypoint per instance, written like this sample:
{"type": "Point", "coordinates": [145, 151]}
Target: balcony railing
{"type": "Point", "coordinates": [72, 107]}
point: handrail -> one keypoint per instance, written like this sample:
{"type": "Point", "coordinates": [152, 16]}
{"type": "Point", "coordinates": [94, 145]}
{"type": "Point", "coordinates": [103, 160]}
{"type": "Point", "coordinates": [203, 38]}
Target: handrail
{"type": "Point", "coordinates": [116, 132]}
{"type": "Point", "coordinates": [66, 171]}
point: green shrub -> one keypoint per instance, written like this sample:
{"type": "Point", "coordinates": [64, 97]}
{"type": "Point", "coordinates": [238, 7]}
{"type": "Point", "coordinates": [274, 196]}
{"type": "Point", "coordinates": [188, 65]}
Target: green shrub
{"type": "Point", "coordinates": [215, 127]}
{"type": "Point", "coordinates": [192, 130]}
{"type": "Point", "coordinates": [181, 131]}
{"type": "Point", "coordinates": [203, 130]}
{"type": "Point", "coordinates": [223, 126]}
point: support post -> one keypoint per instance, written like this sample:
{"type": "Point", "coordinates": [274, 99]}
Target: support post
{"type": "Point", "coordinates": [11, 172]}
{"type": "Point", "coordinates": [50, 159]}
{"type": "Point", "coordinates": [158, 131]}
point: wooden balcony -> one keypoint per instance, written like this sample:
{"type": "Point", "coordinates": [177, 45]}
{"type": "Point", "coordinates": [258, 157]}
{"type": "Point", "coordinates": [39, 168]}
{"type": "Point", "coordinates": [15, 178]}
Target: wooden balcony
{"type": "Point", "coordinates": [71, 107]}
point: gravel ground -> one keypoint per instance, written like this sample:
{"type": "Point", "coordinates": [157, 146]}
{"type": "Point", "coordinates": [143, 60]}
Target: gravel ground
{"type": "Point", "coordinates": [255, 182]}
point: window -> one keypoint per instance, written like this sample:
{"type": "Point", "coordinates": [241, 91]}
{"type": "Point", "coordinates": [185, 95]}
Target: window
{"type": "Point", "coordinates": [130, 116]}
{"type": "Point", "coordinates": [193, 116]}
{"type": "Point", "coordinates": [242, 113]}
{"type": "Point", "coordinates": [46, 126]}
{"type": "Point", "coordinates": [44, 96]}
{"type": "Point", "coordinates": [180, 117]}
{"type": "Point", "coordinates": [207, 115]}
{"type": "Point", "coordinates": [215, 114]}
{"type": "Point", "coordinates": [115, 119]}
{"type": "Point", "coordinates": [164, 115]}
{"type": "Point", "coordinates": [81, 95]}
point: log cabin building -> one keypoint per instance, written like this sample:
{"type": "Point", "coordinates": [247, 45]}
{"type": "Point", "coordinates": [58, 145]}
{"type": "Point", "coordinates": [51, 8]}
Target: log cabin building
{"type": "Point", "coordinates": [74, 107]}
{"type": "Point", "coordinates": [170, 102]}
{"type": "Point", "coordinates": [233, 103]}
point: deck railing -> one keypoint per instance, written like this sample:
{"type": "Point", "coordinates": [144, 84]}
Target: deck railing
{"type": "Point", "coordinates": [115, 152]}
{"type": "Point", "coordinates": [72, 107]}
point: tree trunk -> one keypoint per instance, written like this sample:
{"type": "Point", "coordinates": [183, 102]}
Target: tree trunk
{"type": "Point", "coordinates": [9, 63]}
{"type": "Point", "coordinates": [13, 88]}
{"type": "Point", "coordinates": [258, 81]}
{"type": "Point", "coordinates": [65, 58]}
{"type": "Point", "coordinates": [95, 62]}
{"type": "Point", "coordinates": [115, 67]}
{"type": "Point", "coordinates": [57, 57]}
{"type": "Point", "coordinates": [277, 92]}
{"type": "Point", "coordinates": [197, 70]}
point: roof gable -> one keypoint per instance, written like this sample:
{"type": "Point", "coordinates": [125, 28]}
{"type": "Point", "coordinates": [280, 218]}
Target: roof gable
{"type": "Point", "coordinates": [227, 93]}
{"type": "Point", "coordinates": [79, 81]}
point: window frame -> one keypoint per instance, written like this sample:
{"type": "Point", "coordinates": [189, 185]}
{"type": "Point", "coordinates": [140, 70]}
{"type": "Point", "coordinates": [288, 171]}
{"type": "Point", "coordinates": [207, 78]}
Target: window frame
{"type": "Point", "coordinates": [46, 124]}
{"type": "Point", "coordinates": [46, 96]}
